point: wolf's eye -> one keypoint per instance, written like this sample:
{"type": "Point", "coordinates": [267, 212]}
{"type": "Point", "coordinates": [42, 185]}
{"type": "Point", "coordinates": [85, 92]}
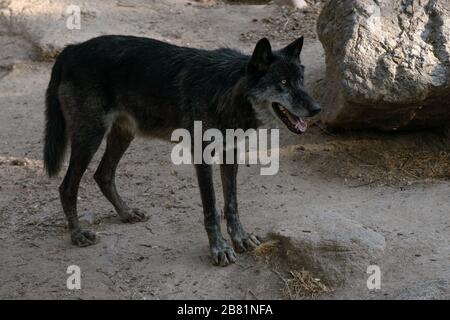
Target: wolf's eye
{"type": "Point", "coordinates": [283, 82]}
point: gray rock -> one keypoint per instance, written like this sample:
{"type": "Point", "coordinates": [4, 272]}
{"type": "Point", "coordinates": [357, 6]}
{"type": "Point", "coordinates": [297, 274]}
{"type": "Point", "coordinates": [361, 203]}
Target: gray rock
{"type": "Point", "coordinates": [388, 63]}
{"type": "Point", "coordinates": [333, 248]}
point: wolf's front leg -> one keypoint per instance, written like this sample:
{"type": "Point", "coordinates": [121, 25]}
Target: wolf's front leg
{"type": "Point", "coordinates": [221, 253]}
{"type": "Point", "coordinates": [242, 241]}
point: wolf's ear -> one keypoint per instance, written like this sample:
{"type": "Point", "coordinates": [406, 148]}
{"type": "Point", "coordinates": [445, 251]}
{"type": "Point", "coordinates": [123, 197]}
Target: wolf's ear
{"type": "Point", "coordinates": [262, 57]}
{"type": "Point", "coordinates": [294, 49]}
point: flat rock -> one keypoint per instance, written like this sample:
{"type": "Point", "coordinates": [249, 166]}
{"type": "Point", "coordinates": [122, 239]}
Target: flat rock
{"type": "Point", "coordinates": [333, 248]}
{"type": "Point", "coordinates": [388, 64]}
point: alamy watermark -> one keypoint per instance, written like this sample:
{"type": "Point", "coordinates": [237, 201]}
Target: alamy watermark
{"type": "Point", "coordinates": [374, 280]}
{"type": "Point", "coordinates": [236, 147]}
{"type": "Point", "coordinates": [74, 280]}
{"type": "Point", "coordinates": [73, 21]}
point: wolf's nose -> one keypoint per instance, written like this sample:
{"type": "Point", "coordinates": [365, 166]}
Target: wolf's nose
{"type": "Point", "coordinates": [315, 109]}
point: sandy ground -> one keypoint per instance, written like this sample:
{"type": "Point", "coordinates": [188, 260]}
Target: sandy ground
{"type": "Point", "coordinates": [167, 256]}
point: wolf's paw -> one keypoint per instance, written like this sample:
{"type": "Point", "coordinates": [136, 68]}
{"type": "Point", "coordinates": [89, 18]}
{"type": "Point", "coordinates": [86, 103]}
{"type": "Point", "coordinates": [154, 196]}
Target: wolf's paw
{"type": "Point", "coordinates": [222, 255]}
{"type": "Point", "coordinates": [83, 238]}
{"type": "Point", "coordinates": [244, 243]}
{"type": "Point", "coordinates": [134, 216]}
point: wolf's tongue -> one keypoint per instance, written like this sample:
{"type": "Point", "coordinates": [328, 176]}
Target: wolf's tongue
{"type": "Point", "coordinates": [301, 125]}
{"type": "Point", "coordinates": [298, 122]}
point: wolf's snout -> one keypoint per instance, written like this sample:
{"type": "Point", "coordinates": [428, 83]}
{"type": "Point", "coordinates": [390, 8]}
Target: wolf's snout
{"type": "Point", "coordinates": [314, 109]}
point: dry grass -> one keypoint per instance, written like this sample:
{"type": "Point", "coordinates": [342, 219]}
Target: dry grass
{"type": "Point", "coordinates": [302, 285]}
{"type": "Point", "coordinates": [266, 248]}
{"type": "Point", "coordinates": [380, 160]}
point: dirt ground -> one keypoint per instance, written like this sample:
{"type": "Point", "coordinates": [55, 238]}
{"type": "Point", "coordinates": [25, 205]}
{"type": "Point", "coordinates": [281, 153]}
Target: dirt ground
{"type": "Point", "coordinates": [396, 185]}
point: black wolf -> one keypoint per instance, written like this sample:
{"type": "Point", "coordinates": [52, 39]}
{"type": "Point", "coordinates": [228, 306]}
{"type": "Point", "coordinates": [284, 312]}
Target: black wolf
{"type": "Point", "coordinates": [123, 86]}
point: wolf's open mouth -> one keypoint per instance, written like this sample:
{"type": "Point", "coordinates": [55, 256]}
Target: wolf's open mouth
{"type": "Point", "coordinates": [294, 123]}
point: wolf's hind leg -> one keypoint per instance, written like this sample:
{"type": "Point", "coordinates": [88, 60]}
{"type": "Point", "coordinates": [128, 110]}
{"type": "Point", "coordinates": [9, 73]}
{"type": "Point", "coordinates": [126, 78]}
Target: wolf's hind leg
{"type": "Point", "coordinates": [118, 141]}
{"type": "Point", "coordinates": [242, 241]}
{"type": "Point", "coordinates": [83, 147]}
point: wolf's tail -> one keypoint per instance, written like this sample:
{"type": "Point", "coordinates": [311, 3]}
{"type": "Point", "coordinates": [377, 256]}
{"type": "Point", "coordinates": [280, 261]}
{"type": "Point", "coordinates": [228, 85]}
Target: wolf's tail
{"type": "Point", "coordinates": [55, 142]}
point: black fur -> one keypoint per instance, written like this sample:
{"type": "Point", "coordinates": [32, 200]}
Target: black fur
{"type": "Point", "coordinates": [55, 127]}
{"type": "Point", "coordinates": [123, 86]}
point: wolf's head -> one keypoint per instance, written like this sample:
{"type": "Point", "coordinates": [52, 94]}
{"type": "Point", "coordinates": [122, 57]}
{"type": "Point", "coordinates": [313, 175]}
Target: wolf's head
{"type": "Point", "coordinates": [276, 85]}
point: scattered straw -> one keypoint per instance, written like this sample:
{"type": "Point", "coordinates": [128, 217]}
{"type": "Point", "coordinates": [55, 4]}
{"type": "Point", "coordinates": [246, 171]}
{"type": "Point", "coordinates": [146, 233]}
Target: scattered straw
{"type": "Point", "coordinates": [265, 248]}
{"type": "Point", "coordinates": [20, 162]}
{"type": "Point", "coordinates": [378, 160]}
{"type": "Point", "coordinates": [303, 285]}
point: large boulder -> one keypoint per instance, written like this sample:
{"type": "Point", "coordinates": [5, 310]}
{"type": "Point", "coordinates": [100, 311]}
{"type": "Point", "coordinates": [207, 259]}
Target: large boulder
{"type": "Point", "coordinates": [333, 248]}
{"type": "Point", "coordinates": [388, 63]}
